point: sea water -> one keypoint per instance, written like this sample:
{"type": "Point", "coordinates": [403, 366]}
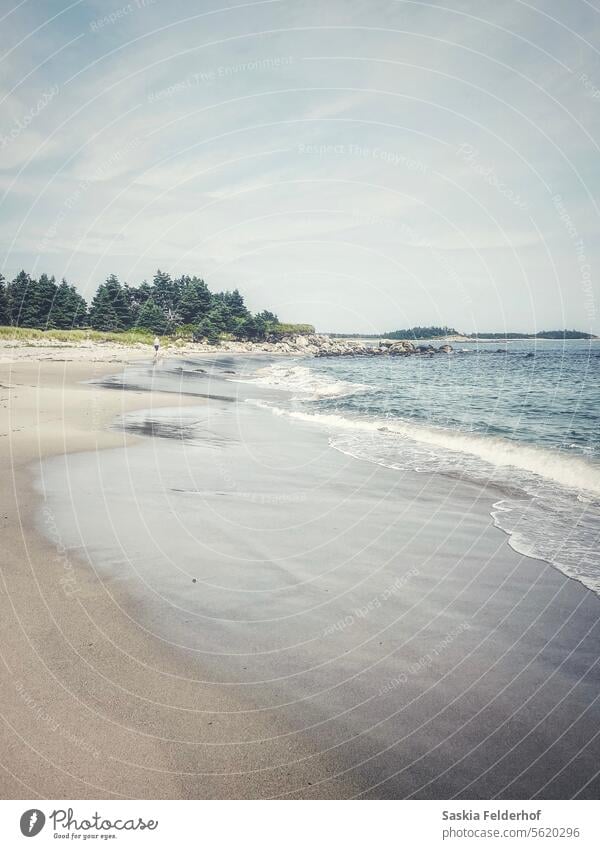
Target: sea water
{"type": "Point", "coordinates": [520, 418]}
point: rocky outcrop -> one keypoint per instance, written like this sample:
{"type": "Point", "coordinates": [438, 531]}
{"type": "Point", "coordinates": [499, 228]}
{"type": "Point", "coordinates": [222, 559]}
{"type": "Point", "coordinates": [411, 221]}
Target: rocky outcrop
{"type": "Point", "coordinates": [319, 345]}
{"type": "Point", "coordinates": [385, 348]}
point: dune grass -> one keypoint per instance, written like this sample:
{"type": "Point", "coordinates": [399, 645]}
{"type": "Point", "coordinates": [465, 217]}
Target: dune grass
{"type": "Point", "coordinates": [293, 329]}
{"type": "Point", "coordinates": [125, 337]}
{"type": "Point", "coordinates": [30, 334]}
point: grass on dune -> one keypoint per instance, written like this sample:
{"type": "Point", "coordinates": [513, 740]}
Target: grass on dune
{"type": "Point", "coordinates": [29, 334]}
{"type": "Point", "coordinates": [124, 337]}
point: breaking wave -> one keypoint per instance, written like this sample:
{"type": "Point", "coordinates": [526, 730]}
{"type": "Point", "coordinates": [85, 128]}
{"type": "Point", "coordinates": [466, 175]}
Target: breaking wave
{"type": "Point", "coordinates": [303, 382]}
{"type": "Point", "coordinates": [550, 501]}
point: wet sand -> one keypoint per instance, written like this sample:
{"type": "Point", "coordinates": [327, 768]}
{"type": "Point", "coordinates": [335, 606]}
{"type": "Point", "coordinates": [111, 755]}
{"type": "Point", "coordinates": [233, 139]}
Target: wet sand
{"type": "Point", "coordinates": [207, 601]}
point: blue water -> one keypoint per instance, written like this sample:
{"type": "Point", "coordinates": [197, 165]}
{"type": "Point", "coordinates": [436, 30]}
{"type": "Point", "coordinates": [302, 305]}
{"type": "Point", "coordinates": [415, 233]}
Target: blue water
{"type": "Point", "coordinates": [520, 418]}
{"type": "Point", "coordinates": [550, 399]}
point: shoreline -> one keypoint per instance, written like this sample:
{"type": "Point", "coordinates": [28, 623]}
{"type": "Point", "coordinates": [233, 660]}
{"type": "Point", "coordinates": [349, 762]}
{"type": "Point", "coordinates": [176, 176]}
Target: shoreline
{"type": "Point", "coordinates": [354, 730]}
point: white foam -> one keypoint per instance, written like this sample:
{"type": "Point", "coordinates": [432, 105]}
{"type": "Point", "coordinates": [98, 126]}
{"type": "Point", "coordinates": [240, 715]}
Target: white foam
{"type": "Point", "coordinates": [554, 528]}
{"type": "Point", "coordinates": [305, 383]}
{"type": "Point", "coordinates": [570, 472]}
{"type": "Point", "coordinates": [553, 513]}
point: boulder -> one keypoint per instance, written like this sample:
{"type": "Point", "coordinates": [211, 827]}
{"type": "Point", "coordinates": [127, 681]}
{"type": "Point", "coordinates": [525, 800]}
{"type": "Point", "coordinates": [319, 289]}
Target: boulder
{"type": "Point", "coordinates": [398, 349]}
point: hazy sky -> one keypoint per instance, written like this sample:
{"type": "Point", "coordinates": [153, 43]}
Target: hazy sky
{"type": "Point", "coordinates": [359, 164]}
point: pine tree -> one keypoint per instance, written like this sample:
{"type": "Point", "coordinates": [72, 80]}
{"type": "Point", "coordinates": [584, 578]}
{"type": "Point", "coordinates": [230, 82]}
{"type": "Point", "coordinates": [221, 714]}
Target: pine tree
{"type": "Point", "coordinates": [60, 314]}
{"type": "Point", "coordinates": [137, 297]}
{"type": "Point", "coordinates": [79, 309]}
{"type": "Point", "coordinates": [268, 317]}
{"type": "Point", "coordinates": [180, 284]}
{"type": "Point", "coordinates": [221, 317]}
{"type": "Point", "coordinates": [165, 295]}
{"type": "Point", "coordinates": [195, 301]}
{"type": "Point", "coordinates": [69, 308]}
{"type": "Point", "coordinates": [152, 318]}
{"type": "Point", "coordinates": [236, 304]}
{"type": "Point", "coordinates": [164, 292]}
{"type": "Point", "coordinates": [42, 302]}
{"type": "Point", "coordinates": [102, 312]}
{"type": "Point", "coordinates": [206, 330]}
{"type": "Point", "coordinates": [4, 307]}
{"type": "Point", "coordinates": [20, 291]}
{"type": "Point", "coordinates": [252, 328]}
{"type": "Point", "coordinates": [120, 301]}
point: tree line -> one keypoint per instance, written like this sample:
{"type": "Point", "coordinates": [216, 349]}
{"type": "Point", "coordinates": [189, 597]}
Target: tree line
{"type": "Point", "coordinates": [431, 332]}
{"type": "Point", "coordinates": [164, 306]}
{"type": "Point", "coordinates": [542, 334]}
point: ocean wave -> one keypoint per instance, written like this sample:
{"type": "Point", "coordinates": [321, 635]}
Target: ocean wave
{"type": "Point", "coordinates": [551, 502]}
{"type": "Point", "coordinates": [498, 453]}
{"type": "Point", "coordinates": [553, 527]}
{"type": "Point", "coordinates": [306, 384]}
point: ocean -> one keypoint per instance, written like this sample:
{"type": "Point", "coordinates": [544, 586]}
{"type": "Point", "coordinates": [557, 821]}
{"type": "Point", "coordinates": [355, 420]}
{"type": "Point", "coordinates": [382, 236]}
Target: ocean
{"type": "Point", "coordinates": [520, 418]}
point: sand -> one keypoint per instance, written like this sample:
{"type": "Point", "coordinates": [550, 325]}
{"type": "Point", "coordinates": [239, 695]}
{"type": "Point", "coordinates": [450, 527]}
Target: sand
{"type": "Point", "coordinates": [249, 614]}
{"type": "Point", "coordinates": [55, 742]}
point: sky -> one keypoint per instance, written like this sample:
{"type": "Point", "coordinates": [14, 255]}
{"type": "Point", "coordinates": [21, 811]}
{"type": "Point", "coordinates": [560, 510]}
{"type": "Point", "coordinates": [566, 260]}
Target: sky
{"type": "Point", "coordinates": [361, 165]}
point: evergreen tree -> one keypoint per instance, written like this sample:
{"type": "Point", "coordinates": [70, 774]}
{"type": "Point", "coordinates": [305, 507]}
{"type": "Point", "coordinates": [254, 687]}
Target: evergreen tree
{"type": "Point", "coordinates": [120, 301]}
{"type": "Point", "coordinates": [30, 312]}
{"type": "Point", "coordinates": [79, 309]}
{"type": "Point", "coordinates": [20, 291]}
{"type": "Point", "coordinates": [268, 317]}
{"type": "Point", "coordinates": [206, 330]}
{"type": "Point", "coordinates": [221, 317]}
{"type": "Point", "coordinates": [69, 308]}
{"type": "Point", "coordinates": [164, 291]}
{"type": "Point", "coordinates": [41, 304]}
{"type": "Point", "coordinates": [165, 295]}
{"type": "Point", "coordinates": [195, 301]}
{"type": "Point", "coordinates": [252, 328]}
{"type": "Point", "coordinates": [152, 318]}
{"type": "Point", "coordinates": [180, 284]}
{"type": "Point", "coordinates": [234, 303]}
{"type": "Point", "coordinates": [137, 297]}
{"type": "Point", "coordinates": [102, 313]}
{"type": "Point", "coordinates": [4, 306]}
{"type": "Point", "coordinates": [60, 314]}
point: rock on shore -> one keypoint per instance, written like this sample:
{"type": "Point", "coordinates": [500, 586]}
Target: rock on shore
{"type": "Point", "coordinates": [318, 345]}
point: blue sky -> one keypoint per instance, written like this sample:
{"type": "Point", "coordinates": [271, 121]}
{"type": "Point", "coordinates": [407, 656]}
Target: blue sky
{"type": "Point", "coordinates": [360, 164]}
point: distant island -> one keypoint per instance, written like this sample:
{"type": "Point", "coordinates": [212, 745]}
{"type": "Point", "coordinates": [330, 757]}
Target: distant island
{"type": "Point", "coordinates": [542, 334]}
{"type": "Point", "coordinates": [435, 332]}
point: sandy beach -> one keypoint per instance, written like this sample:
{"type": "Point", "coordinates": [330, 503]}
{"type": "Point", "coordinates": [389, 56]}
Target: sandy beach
{"type": "Point", "coordinates": [56, 742]}
{"type": "Point", "coordinates": [207, 601]}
